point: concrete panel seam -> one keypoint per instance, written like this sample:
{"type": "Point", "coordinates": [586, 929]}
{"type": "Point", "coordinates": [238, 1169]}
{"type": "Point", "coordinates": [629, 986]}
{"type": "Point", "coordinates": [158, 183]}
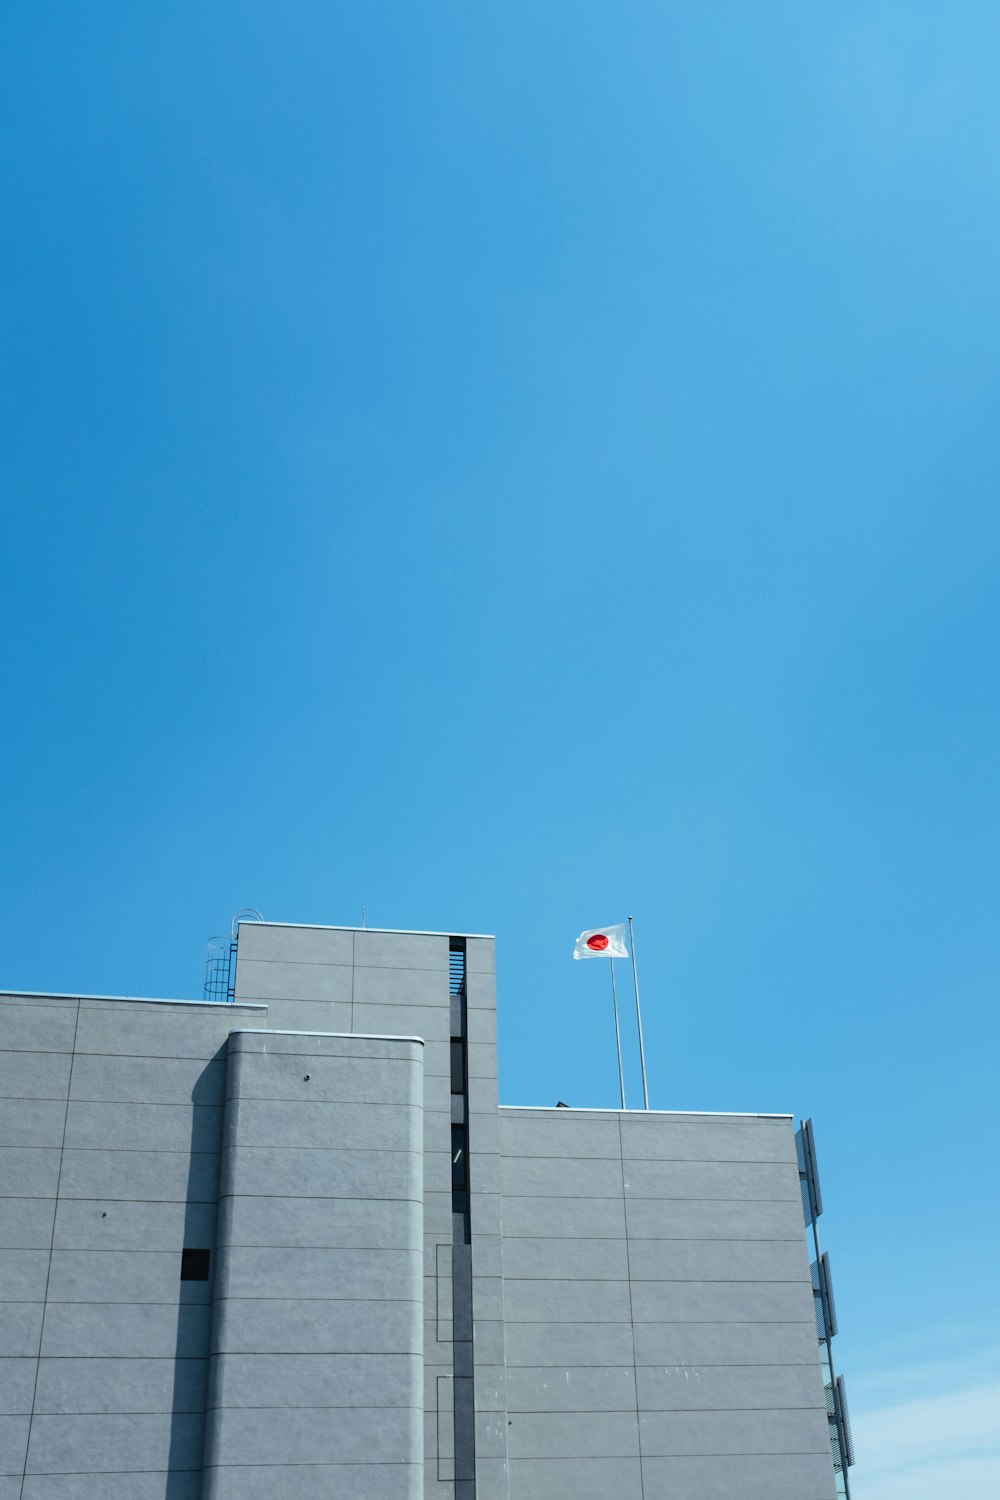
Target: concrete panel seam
{"type": "Point", "coordinates": [137, 1150]}
{"type": "Point", "coordinates": [301, 963]}
{"type": "Point", "coordinates": [52, 1241]}
{"type": "Point", "coordinates": [628, 1266]}
{"type": "Point", "coordinates": [353, 1406]}
{"type": "Point", "coordinates": [292, 1297]}
{"type": "Point", "coordinates": [297, 1099]}
{"type": "Point", "coordinates": [754, 1453]}
{"type": "Point", "coordinates": [649, 1411]}
{"type": "Point", "coordinates": [46, 1474]}
{"type": "Point", "coordinates": [435, 969]}
{"type": "Point", "coordinates": [686, 1197]}
{"type": "Point", "coordinates": [280, 1197]}
{"type": "Point", "coordinates": [376, 1150]}
{"type": "Point", "coordinates": [728, 1323]}
{"type": "Point", "coordinates": [117, 1057]}
{"type": "Point", "coordinates": [674, 1280]}
{"type": "Point", "coordinates": [701, 1161]}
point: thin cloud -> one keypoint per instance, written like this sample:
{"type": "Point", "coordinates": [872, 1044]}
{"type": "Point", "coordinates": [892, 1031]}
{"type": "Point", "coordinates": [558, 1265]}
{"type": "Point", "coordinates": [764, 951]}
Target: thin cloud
{"type": "Point", "coordinates": [929, 1446]}
{"type": "Point", "coordinates": [951, 1479]}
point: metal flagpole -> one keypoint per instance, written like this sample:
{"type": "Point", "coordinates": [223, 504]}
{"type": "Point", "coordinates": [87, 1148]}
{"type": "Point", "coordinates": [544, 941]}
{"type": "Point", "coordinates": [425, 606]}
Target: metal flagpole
{"type": "Point", "coordinates": [618, 1035]}
{"type": "Point", "coordinates": [638, 1017]}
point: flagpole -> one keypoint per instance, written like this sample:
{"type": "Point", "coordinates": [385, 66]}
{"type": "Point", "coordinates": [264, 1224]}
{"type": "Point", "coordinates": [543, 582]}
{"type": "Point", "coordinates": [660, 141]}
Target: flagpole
{"type": "Point", "coordinates": [638, 1017]}
{"type": "Point", "coordinates": [618, 1035]}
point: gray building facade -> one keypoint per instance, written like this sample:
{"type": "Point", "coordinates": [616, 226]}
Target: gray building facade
{"type": "Point", "coordinates": [288, 1245]}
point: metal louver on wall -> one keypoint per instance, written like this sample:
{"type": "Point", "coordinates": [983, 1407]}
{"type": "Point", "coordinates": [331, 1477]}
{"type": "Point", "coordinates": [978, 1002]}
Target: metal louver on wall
{"type": "Point", "coordinates": [456, 967]}
{"type": "Point", "coordinates": [843, 1424]}
{"type": "Point", "coordinates": [805, 1147]}
{"type": "Point", "coordinates": [826, 1311]}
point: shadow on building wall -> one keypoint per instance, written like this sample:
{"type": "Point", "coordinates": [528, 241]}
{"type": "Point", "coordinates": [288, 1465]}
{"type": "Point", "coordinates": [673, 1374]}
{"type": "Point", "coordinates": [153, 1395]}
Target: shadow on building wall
{"type": "Point", "coordinates": [194, 1310]}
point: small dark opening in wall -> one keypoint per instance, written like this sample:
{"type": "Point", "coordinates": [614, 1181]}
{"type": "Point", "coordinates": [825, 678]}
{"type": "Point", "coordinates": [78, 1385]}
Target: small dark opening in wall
{"type": "Point", "coordinates": [194, 1265]}
{"type": "Point", "coordinates": [457, 1065]}
{"type": "Point", "coordinates": [458, 1162]}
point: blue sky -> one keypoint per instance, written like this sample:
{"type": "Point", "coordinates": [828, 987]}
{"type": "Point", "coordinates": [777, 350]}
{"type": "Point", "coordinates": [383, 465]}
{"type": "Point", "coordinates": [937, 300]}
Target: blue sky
{"type": "Point", "coordinates": [512, 465]}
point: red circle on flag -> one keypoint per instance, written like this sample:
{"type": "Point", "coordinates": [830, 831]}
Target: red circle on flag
{"type": "Point", "coordinates": [597, 941]}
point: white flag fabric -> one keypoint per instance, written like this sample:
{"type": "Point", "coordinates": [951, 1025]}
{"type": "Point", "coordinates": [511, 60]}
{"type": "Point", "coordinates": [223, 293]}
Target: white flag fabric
{"type": "Point", "coordinates": [602, 942]}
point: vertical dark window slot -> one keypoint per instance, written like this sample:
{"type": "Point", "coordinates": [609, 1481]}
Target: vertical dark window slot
{"type": "Point", "coordinates": [459, 1163]}
{"type": "Point", "coordinates": [457, 984]}
{"type": "Point", "coordinates": [461, 1254]}
{"type": "Point", "coordinates": [457, 1065]}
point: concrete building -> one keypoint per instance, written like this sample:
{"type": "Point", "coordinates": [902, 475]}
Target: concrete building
{"type": "Point", "coordinates": [287, 1245]}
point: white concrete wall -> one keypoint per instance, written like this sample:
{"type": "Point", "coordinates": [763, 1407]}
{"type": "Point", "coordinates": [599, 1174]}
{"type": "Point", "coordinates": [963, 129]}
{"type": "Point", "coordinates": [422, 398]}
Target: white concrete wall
{"type": "Point", "coordinates": [660, 1333]}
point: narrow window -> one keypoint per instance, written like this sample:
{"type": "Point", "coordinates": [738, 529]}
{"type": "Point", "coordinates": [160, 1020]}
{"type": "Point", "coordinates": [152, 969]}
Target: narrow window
{"type": "Point", "coordinates": [457, 1065]}
{"type": "Point", "coordinates": [194, 1265]}
{"type": "Point", "coordinates": [458, 1153]}
{"type": "Point", "coordinates": [456, 966]}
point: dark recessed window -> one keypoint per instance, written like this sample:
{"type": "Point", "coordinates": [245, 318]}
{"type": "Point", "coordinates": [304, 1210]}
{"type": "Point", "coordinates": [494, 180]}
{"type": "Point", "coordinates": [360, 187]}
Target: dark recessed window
{"type": "Point", "coordinates": [194, 1265]}
{"type": "Point", "coordinates": [457, 1065]}
{"type": "Point", "coordinates": [458, 1162]}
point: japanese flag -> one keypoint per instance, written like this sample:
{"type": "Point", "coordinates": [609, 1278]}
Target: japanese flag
{"type": "Point", "coordinates": [602, 942]}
